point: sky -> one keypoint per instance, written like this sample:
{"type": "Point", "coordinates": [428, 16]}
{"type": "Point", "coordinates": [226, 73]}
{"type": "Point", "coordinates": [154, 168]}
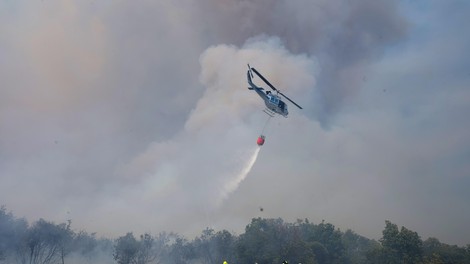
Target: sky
{"type": "Point", "coordinates": [134, 116]}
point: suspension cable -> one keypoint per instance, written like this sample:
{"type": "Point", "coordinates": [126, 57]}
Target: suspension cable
{"type": "Point", "coordinates": [265, 124]}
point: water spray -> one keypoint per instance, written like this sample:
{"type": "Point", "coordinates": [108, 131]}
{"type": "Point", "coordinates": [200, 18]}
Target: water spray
{"type": "Point", "coordinates": [233, 184]}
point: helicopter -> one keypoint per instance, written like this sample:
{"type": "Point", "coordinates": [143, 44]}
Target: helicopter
{"type": "Point", "coordinates": [273, 102]}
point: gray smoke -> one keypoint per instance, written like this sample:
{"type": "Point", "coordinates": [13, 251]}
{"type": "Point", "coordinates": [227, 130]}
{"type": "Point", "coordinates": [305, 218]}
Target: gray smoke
{"type": "Point", "coordinates": [134, 115]}
{"type": "Point", "coordinates": [190, 175]}
{"type": "Point", "coordinates": [345, 36]}
{"type": "Point", "coordinates": [89, 87]}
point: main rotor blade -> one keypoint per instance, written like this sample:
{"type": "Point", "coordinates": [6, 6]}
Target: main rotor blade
{"type": "Point", "coordinates": [272, 87]}
{"type": "Point", "coordinates": [266, 81]}
{"type": "Point", "coordinates": [291, 100]}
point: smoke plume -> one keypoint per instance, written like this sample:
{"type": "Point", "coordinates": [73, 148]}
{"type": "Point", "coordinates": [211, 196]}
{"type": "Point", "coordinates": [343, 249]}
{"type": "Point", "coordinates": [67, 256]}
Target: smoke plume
{"type": "Point", "coordinates": [206, 161]}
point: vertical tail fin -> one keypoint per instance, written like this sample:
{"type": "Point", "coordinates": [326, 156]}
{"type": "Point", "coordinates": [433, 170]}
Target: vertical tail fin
{"type": "Point", "coordinates": [249, 69]}
{"type": "Point", "coordinates": [249, 76]}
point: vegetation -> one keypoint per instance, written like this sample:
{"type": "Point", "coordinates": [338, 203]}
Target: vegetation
{"type": "Point", "coordinates": [263, 241]}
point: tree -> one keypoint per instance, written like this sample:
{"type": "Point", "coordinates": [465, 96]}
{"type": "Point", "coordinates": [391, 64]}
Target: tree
{"type": "Point", "coordinates": [357, 246]}
{"type": "Point", "coordinates": [146, 254]}
{"type": "Point", "coordinates": [225, 243]}
{"type": "Point", "coordinates": [130, 251]}
{"type": "Point", "coordinates": [11, 232]}
{"type": "Point", "coordinates": [437, 252]}
{"type": "Point", "coordinates": [325, 241]}
{"type": "Point", "coordinates": [410, 247]}
{"type": "Point", "coordinates": [273, 240]}
{"type": "Point", "coordinates": [126, 249]}
{"type": "Point", "coordinates": [85, 244]}
{"type": "Point", "coordinates": [180, 251]}
{"type": "Point", "coordinates": [205, 246]}
{"type": "Point", "coordinates": [44, 242]}
{"type": "Point", "coordinates": [404, 246]}
{"type": "Point", "coordinates": [301, 251]}
{"type": "Point", "coordinates": [264, 241]}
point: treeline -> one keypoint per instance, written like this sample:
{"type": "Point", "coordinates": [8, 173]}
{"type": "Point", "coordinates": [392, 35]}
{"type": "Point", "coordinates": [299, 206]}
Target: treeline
{"type": "Point", "coordinates": [264, 241]}
{"type": "Point", "coordinates": [48, 243]}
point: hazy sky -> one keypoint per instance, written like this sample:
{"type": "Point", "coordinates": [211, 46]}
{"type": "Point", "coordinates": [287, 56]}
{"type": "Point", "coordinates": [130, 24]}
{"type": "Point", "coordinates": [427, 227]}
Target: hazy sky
{"type": "Point", "coordinates": [134, 115]}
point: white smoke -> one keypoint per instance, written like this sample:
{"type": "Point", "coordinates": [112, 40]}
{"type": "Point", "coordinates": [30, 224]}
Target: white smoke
{"type": "Point", "coordinates": [207, 161]}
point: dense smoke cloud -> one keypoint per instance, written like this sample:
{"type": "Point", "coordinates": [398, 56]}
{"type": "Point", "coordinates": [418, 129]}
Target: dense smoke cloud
{"type": "Point", "coordinates": [199, 167]}
{"type": "Point", "coordinates": [345, 36]}
{"type": "Point", "coordinates": [116, 114]}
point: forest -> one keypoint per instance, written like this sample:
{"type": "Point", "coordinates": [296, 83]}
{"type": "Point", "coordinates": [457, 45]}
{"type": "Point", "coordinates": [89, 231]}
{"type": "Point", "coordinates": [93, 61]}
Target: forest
{"type": "Point", "coordinates": [263, 241]}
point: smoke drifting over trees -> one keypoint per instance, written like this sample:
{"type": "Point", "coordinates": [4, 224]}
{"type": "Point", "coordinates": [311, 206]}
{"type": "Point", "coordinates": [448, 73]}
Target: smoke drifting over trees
{"type": "Point", "coordinates": [112, 109]}
{"type": "Point", "coordinates": [263, 241]}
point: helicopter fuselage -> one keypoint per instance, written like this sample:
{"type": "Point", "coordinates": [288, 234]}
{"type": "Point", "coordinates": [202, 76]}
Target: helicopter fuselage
{"type": "Point", "coordinates": [273, 102]}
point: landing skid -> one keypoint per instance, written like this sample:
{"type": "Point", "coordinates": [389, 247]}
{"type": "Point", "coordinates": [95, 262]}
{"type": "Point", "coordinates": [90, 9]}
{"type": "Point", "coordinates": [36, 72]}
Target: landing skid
{"type": "Point", "coordinates": [269, 112]}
